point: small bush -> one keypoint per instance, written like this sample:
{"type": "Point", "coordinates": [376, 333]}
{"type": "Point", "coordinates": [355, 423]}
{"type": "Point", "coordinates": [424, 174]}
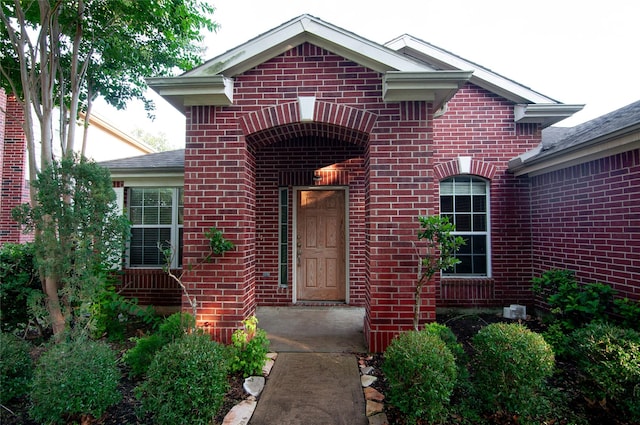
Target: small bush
{"type": "Point", "coordinates": [19, 281]}
{"type": "Point", "coordinates": [110, 312]}
{"type": "Point", "coordinates": [186, 381]}
{"type": "Point", "coordinates": [176, 325]}
{"type": "Point", "coordinates": [15, 367]}
{"type": "Point", "coordinates": [609, 360]}
{"type": "Point", "coordinates": [421, 372]}
{"type": "Point", "coordinates": [512, 364]}
{"type": "Point", "coordinates": [140, 356]}
{"type": "Point", "coordinates": [172, 328]}
{"type": "Point", "coordinates": [573, 305]}
{"type": "Point", "coordinates": [249, 348]}
{"type": "Point", "coordinates": [448, 337]}
{"type": "Point", "coordinates": [74, 379]}
{"type": "Point", "coordinates": [629, 312]}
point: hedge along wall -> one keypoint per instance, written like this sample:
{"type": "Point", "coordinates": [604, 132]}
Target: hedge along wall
{"type": "Point", "coordinates": [586, 218]}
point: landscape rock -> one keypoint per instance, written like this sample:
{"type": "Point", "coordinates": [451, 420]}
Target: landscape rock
{"type": "Point", "coordinates": [367, 370]}
{"type": "Point", "coordinates": [379, 419]}
{"type": "Point", "coordinates": [373, 394]}
{"type": "Point", "coordinates": [266, 369]}
{"type": "Point", "coordinates": [241, 413]}
{"type": "Point", "coordinates": [367, 380]}
{"type": "Point", "coordinates": [254, 385]}
{"type": "Point", "coordinates": [373, 407]}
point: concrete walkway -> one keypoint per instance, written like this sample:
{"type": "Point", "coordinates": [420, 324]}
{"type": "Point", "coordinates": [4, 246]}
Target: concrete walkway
{"type": "Point", "coordinates": [316, 379]}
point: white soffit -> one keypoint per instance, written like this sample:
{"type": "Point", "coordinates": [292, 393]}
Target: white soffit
{"type": "Point", "coordinates": [184, 91]}
{"type": "Point", "coordinates": [545, 114]}
{"type": "Point", "coordinates": [436, 87]}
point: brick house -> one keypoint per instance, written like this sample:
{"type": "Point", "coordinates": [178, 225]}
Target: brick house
{"type": "Point", "coordinates": [314, 151]}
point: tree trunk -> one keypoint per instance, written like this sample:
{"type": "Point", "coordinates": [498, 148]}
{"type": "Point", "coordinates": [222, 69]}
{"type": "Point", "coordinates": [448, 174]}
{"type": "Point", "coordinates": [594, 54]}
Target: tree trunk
{"type": "Point", "coordinates": [53, 306]}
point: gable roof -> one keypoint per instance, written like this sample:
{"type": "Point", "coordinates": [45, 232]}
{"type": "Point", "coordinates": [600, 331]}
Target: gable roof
{"type": "Point", "coordinates": [403, 77]}
{"type": "Point", "coordinates": [532, 107]}
{"type": "Point", "coordinates": [615, 132]}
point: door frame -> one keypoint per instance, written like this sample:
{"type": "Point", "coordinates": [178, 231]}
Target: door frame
{"type": "Point", "coordinates": [292, 256]}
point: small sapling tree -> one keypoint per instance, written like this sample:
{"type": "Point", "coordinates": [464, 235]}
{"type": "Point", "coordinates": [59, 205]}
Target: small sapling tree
{"type": "Point", "coordinates": [441, 247]}
{"type": "Point", "coordinates": [218, 245]}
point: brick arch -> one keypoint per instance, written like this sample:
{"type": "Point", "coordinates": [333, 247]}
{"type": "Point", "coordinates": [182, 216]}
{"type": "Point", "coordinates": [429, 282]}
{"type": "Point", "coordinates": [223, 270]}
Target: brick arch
{"type": "Point", "coordinates": [330, 120]}
{"type": "Point", "coordinates": [452, 168]}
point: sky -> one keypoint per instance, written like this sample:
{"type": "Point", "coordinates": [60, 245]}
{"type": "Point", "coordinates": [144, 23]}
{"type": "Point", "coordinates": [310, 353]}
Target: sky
{"type": "Point", "coordinates": [574, 51]}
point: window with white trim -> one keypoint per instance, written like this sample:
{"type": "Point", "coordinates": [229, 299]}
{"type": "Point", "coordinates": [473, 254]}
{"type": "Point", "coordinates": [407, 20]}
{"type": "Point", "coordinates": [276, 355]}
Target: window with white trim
{"type": "Point", "coordinates": [156, 215]}
{"type": "Point", "coordinates": [465, 201]}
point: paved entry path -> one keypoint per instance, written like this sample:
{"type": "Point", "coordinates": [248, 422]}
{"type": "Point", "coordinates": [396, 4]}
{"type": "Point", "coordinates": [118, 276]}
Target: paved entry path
{"type": "Point", "coordinates": [312, 389]}
{"type": "Point", "coordinates": [315, 379]}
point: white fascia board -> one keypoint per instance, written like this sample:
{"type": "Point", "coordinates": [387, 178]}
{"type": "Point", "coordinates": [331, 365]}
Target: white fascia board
{"type": "Point", "coordinates": [544, 114]}
{"type": "Point", "coordinates": [150, 179]}
{"type": "Point", "coordinates": [307, 29]}
{"type": "Point", "coordinates": [436, 87]}
{"type": "Point", "coordinates": [184, 91]}
{"type": "Point", "coordinates": [482, 77]}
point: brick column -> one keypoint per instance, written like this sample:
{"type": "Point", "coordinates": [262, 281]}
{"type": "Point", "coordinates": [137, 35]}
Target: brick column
{"type": "Point", "coordinates": [14, 186]}
{"type": "Point", "coordinates": [219, 192]}
{"type": "Point", "coordinates": [398, 191]}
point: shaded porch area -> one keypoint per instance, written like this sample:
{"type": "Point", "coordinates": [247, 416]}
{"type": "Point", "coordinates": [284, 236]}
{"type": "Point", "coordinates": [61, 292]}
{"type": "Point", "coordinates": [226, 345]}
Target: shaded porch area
{"type": "Point", "coordinates": [314, 329]}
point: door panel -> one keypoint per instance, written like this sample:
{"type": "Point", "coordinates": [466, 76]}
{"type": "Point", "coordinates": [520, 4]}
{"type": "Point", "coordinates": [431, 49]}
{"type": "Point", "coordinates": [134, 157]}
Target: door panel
{"type": "Point", "coordinates": [321, 245]}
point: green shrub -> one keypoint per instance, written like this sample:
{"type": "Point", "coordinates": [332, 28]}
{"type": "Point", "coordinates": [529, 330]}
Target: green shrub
{"type": "Point", "coordinates": [176, 325]}
{"type": "Point", "coordinates": [186, 381]}
{"type": "Point", "coordinates": [629, 312]}
{"type": "Point", "coordinates": [172, 328]}
{"type": "Point", "coordinates": [111, 312]}
{"type": "Point", "coordinates": [74, 379]}
{"type": "Point", "coordinates": [608, 358]}
{"type": "Point", "coordinates": [19, 281]}
{"type": "Point", "coordinates": [249, 348]}
{"type": "Point", "coordinates": [16, 367]}
{"type": "Point", "coordinates": [421, 373]}
{"type": "Point", "coordinates": [448, 337]}
{"type": "Point", "coordinates": [573, 305]}
{"type": "Point", "coordinates": [140, 356]}
{"type": "Point", "coordinates": [512, 364]}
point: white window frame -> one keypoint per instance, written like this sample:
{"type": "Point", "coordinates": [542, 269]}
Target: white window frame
{"type": "Point", "coordinates": [175, 227]}
{"type": "Point", "coordinates": [486, 232]}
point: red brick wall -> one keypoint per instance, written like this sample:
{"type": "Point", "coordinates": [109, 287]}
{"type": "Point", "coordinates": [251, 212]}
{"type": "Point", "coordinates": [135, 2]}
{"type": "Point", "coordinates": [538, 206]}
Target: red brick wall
{"type": "Point", "coordinates": [227, 156]}
{"type": "Point", "coordinates": [237, 157]}
{"type": "Point", "coordinates": [150, 287]}
{"type": "Point", "coordinates": [480, 124]}
{"type": "Point", "coordinates": [585, 218]}
{"type": "Point", "coordinates": [15, 188]}
{"type": "Point", "coordinates": [293, 162]}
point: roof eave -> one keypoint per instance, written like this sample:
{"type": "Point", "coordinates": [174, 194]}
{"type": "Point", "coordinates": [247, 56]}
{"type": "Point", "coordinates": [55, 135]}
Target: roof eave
{"type": "Point", "coordinates": [184, 91]}
{"type": "Point", "coordinates": [538, 162]}
{"type": "Point", "coordinates": [482, 77]}
{"type": "Point", "coordinates": [544, 114]}
{"type": "Point", "coordinates": [121, 173]}
{"type": "Point", "coordinates": [436, 87]}
{"type": "Point", "coordinates": [302, 29]}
